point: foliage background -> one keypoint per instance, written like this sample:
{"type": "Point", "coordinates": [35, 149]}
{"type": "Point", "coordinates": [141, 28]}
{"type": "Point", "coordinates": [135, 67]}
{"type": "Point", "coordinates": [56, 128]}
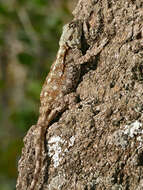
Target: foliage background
{"type": "Point", "coordinates": [29, 35]}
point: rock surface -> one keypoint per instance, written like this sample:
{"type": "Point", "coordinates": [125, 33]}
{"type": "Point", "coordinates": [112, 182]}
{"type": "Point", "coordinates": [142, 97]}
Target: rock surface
{"type": "Point", "coordinates": [98, 143]}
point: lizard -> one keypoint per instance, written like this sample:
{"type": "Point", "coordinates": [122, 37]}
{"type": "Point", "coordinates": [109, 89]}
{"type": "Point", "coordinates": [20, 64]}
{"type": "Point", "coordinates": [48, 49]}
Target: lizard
{"type": "Point", "coordinates": [59, 85]}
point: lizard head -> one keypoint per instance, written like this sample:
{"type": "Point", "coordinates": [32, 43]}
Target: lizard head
{"type": "Point", "coordinates": [72, 33]}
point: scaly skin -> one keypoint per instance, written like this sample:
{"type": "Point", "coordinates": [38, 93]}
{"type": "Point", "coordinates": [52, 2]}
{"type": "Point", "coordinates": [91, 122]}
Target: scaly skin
{"type": "Point", "coordinates": [59, 83]}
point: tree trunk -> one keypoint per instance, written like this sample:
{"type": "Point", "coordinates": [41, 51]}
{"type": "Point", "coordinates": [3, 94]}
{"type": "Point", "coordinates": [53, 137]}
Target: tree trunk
{"type": "Point", "coordinates": [98, 144]}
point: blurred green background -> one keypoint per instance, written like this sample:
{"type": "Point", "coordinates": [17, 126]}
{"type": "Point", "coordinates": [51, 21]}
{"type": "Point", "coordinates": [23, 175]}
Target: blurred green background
{"type": "Point", "coordinates": [29, 35]}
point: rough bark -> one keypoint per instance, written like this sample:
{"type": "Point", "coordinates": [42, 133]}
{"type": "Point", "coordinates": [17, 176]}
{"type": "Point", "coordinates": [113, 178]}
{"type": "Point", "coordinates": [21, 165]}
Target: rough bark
{"type": "Point", "coordinates": [98, 144]}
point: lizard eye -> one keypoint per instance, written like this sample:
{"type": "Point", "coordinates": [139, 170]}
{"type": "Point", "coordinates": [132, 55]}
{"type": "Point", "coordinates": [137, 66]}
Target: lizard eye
{"type": "Point", "coordinates": [72, 24]}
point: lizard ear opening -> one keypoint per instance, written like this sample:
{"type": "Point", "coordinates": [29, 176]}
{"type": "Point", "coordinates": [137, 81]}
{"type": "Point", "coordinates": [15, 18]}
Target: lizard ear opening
{"type": "Point", "coordinates": [84, 43]}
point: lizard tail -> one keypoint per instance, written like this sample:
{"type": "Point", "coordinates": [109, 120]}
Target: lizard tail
{"type": "Point", "coordinates": [38, 152]}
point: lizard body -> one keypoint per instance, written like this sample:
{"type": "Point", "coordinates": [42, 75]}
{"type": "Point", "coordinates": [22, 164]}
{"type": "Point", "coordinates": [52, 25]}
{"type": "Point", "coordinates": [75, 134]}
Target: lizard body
{"type": "Point", "coordinates": [58, 84]}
